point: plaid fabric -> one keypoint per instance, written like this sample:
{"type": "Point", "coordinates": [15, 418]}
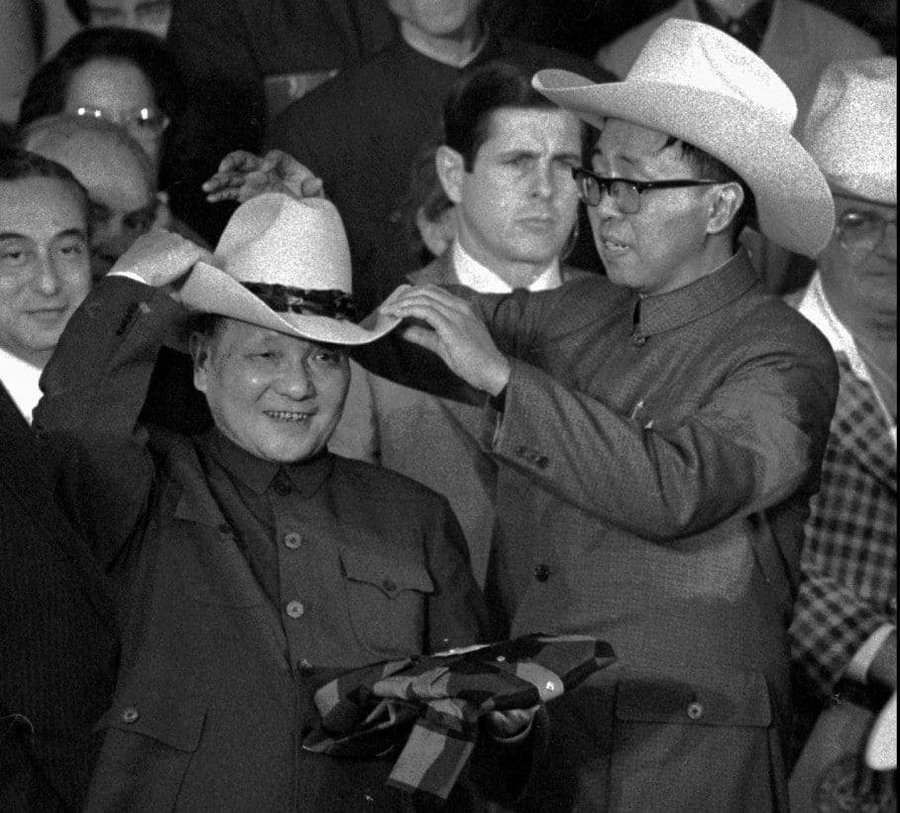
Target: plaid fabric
{"type": "Point", "coordinates": [442, 699]}
{"type": "Point", "coordinates": [849, 562]}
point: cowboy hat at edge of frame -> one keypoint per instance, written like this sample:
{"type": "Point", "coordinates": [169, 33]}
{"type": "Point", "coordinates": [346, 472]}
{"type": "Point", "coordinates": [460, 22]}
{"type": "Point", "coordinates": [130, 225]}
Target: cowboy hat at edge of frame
{"type": "Point", "coordinates": [702, 86]}
{"type": "Point", "coordinates": [274, 239]}
{"type": "Point", "coordinates": [851, 128]}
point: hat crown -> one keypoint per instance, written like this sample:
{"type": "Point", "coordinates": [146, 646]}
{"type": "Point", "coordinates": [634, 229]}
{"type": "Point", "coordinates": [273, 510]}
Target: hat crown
{"type": "Point", "coordinates": [851, 130]}
{"type": "Point", "coordinates": [700, 57]}
{"type": "Point", "coordinates": [278, 240]}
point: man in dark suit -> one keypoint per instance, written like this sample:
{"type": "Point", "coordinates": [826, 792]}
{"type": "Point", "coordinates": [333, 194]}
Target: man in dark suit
{"type": "Point", "coordinates": [260, 564]}
{"type": "Point", "coordinates": [505, 170]}
{"type": "Point", "coordinates": [361, 132]}
{"type": "Point", "coordinates": [58, 640]}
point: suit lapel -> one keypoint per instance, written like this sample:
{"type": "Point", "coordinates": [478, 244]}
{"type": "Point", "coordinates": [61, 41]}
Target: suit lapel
{"type": "Point", "coordinates": [26, 475]}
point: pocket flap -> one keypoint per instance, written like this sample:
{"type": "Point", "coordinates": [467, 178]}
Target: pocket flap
{"type": "Point", "coordinates": [732, 697]}
{"type": "Point", "coordinates": [175, 723]}
{"type": "Point", "coordinates": [391, 576]}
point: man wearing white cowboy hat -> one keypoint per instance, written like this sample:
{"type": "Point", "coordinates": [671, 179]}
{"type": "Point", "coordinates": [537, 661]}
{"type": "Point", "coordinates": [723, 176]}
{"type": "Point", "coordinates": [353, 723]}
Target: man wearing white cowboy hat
{"type": "Point", "coordinates": [844, 634]}
{"type": "Point", "coordinates": [258, 565]}
{"type": "Point", "coordinates": [659, 433]}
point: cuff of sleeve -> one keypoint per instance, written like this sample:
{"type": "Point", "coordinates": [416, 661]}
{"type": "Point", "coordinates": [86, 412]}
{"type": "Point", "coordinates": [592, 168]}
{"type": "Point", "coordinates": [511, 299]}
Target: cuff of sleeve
{"type": "Point", "coordinates": [862, 660]}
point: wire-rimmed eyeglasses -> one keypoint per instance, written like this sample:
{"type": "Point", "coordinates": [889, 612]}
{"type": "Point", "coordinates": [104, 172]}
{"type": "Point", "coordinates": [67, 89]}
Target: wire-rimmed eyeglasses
{"type": "Point", "coordinates": [137, 120]}
{"type": "Point", "coordinates": [624, 191]}
{"type": "Point", "coordinates": [860, 231]}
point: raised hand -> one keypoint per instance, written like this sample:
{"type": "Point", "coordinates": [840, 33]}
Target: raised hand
{"type": "Point", "coordinates": [159, 258]}
{"type": "Point", "coordinates": [243, 175]}
{"type": "Point", "coordinates": [446, 325]}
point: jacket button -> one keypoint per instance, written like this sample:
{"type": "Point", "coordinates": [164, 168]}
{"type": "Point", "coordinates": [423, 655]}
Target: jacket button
{"type": "Point", "coordinates": [294, 609]}
{"type": "Point", "coordinates": [292, 540]}
{"type": "Point", "coordinates": [542, 461]}
{"type": "Point", "coordinates": [130, 715]}
{"type": "Point", "coordinates": [542, 573]}
{"type": "Point", "coordinates": [638, 340]}
{"type": "Point", "coordinates": [389, 586]}
{"type": "Point", "coordinates": [695, 711]}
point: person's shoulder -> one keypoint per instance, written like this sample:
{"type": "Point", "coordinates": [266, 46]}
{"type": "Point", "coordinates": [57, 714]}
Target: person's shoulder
{"type": "Point", "coordinates": [382, 487]}
{"type": "Point", "coordinates": [533, 57]}
{"type": "Point", "coordinates": [763, 320]}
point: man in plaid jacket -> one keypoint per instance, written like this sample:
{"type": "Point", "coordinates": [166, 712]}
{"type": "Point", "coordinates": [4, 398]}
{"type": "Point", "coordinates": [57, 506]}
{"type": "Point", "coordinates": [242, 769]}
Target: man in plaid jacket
{"type": "Point", "coordinates": [844, 637]}
{"type": "Point", "coordinates": [846, 614]}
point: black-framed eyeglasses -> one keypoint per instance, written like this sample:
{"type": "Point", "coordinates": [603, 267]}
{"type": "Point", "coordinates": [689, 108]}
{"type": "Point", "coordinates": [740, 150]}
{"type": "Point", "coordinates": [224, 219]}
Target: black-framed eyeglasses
{"type": "Point", "coordinates": [860, 231]}
{"type": "Point", "coordinates": [624, 191]}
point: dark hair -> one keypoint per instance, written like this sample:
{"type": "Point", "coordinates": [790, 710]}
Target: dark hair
{"type": "Point", "coordinates": [17, 165]}
{"type": "Point", "coordinates": [48, 88]}
{"type": "Point", "coordinates": [710, 167]}
{"type": "Point", "coordinates": [475, 96]}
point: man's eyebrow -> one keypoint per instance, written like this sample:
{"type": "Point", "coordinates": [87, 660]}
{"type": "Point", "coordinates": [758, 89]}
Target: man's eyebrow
{"type": "Point", "coordinates": [71, 233]}
{"type": "Point", "coordinates": [12, 235]}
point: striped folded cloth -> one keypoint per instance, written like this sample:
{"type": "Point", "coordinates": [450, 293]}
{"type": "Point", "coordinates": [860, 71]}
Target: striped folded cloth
{"type": "Point", "coordinates": [442, 699]}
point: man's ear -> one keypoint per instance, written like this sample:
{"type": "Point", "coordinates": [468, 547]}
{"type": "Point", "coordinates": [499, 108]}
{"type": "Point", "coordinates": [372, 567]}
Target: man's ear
{"type": "Point", "coordinates": [726, 202]}
{"type": "Point", "coordinates": [451, 169]}
{"type": "Point", "coordinates": [198, 347]}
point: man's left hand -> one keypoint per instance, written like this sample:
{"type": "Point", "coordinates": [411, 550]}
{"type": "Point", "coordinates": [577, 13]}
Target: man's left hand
{"type": "Point", "coordinates": [447, 325]}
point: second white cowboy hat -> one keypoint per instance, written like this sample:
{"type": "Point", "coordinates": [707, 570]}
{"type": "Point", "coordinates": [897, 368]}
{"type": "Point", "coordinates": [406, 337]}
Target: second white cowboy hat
{"type": "Point", "coordinates": [851, 129]}
{"type": "Point", "coordinates": [700, 85]}
{"type": "Point", "coordinates": [284, 264]}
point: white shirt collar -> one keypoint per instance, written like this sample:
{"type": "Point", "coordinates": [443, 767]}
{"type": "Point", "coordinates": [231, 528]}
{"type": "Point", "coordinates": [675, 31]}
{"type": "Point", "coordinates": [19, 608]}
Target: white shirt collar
{"type": "Point", "coordinates": [816, 307]}
{"type": "Point", "coordinates": [478, 277]}
{"type": "Point", "coordinates": [21, 382]}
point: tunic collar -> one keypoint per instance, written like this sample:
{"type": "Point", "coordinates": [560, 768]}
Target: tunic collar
{"type": "Point", "coordinates": [306, 476]}
{"type": "Point", "coordinates": [708, 294]}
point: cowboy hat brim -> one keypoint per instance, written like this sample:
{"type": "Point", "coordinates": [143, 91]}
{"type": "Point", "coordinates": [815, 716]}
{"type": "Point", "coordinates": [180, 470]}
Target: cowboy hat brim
{"type": "Point", "coordinates": [793, 202]}
{"type": "Point", "coordinates": [210, 290]}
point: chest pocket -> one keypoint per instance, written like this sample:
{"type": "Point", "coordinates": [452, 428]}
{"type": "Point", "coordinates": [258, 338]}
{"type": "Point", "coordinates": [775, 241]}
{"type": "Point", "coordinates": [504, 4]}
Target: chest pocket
{"type": "Point", "coordinates": [386, 601]}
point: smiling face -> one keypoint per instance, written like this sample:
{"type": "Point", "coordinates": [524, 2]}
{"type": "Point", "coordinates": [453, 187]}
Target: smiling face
{"type": "Point", "coordinates": [664, 245]}
{"type": "Point", "coordinates": [44, 263]}
{"type": "Point", "coordinates": [276, 396]}
{"type": "Point", "coordinates": [517, 206]}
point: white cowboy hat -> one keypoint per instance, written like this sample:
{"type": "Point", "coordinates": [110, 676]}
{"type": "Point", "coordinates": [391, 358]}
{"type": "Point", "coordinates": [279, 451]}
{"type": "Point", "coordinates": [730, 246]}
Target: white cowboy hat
{"type": "Point", "coordinates": [851, 129]}
{"type": "Point", "coordinates": [284, 264]}
{"type": "Point", "coordinates": [700, 85]}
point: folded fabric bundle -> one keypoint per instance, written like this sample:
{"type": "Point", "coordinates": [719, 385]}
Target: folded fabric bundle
{"type": "Point", "coordinates": [442, 698]}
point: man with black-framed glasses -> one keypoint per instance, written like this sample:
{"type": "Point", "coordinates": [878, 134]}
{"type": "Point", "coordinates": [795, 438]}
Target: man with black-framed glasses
{"type": "Point", "coordinates": [658, 433]}
{"type": "Point", "coordinates": [844, 633]}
